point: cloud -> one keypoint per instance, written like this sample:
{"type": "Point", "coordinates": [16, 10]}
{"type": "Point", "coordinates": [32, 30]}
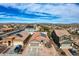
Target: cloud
{"type": "Point", "coordinates": [41, 12]}
{"type": "Point", "coordinates": [10, 11]}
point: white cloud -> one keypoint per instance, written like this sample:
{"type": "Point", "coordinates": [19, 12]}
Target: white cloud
{"type": "Point", "coordinates": [65, 11]}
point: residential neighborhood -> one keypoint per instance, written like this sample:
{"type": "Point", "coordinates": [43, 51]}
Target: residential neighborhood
{"type": "Point", "coordinates": [39, 40]}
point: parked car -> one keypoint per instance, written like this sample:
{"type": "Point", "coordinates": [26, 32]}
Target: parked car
{"type": "Point", "coordinates": [18, 48]}
{"type": "Point", "coordinates": [73, 51]}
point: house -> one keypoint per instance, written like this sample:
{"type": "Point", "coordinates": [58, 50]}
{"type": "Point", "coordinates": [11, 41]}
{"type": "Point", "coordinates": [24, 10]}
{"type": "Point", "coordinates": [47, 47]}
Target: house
{"type": "Point", "coordinates": [39, 37]}
{"type": "Point", "coordinates": [30, 28]}
{"type": "Point", "coordinates": [76, 42]}
{"type": "Point", "coordinates": [17, 39]}
{"type": "Point", "coordinates": [6, 29]}
{"type": "Point", "coordinates": [62, 38]}
{"type": "Point", "coordinates": [39, 45]}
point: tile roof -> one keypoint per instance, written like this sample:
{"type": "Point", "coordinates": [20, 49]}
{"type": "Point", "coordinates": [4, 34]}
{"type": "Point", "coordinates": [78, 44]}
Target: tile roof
{"type": "Point", "coordinates": [23, 33]}
{"type": "Point", "coordinates": [5, 29]}
{"type": "Point", "coordinates": [77, 42]}
{"type": "Point", "coordinates": [61, 32]}
{"type": "Point", "coordinates": [37, 36]}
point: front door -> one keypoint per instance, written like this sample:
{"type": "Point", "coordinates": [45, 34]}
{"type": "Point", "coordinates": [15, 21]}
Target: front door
{"type": "Point", "coordinates": [9, 43]}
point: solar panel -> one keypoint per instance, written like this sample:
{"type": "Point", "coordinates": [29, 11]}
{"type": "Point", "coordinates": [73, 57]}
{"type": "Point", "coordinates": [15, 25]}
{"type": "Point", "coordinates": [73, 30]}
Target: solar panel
{"type": "Point", "coordinates": [42, 34]}
{"type": "Point", "coordinates": [19, 35]}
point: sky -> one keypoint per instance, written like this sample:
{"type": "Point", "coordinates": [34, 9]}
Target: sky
{"type": "Point", "coordinates": [39, 13]}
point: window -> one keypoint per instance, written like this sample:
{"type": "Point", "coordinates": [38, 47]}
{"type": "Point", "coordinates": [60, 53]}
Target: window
{"type": "Point", "coordinates": [66, 42]}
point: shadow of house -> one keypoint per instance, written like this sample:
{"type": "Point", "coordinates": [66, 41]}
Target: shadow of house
{"type": "Point", "coordinates": [55, 38]}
